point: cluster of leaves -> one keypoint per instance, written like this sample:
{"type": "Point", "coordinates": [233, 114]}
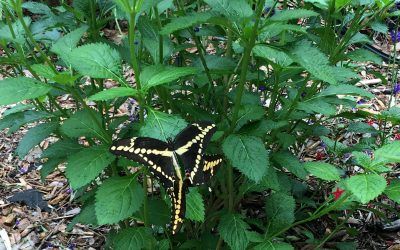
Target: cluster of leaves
{"type": "Point", "coordinates": [268, 75]}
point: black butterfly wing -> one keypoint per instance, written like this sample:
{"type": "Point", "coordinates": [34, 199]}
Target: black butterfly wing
{"type": "Point", "coordinates": [155, 154]}
{"type": "Point", "coordinates": [177, 193]}
{"type": "Point", "coordinates": [210, 166]}
{"type": "Point", "coordinates": [190, 144]}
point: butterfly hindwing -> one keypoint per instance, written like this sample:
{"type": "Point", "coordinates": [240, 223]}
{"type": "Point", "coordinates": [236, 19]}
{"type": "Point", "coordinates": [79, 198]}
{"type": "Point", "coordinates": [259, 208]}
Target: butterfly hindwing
{"type": "Point", "coordinates": [190, 144]}
{"type": "Point", "coordinates": [210, 165]}
{"type": "Point", "coordinates": [177, 193]}
{"type": "Point", "coordinates": [155, 154]}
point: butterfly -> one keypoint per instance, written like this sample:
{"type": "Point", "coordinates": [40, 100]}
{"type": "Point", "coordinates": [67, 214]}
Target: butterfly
{"type": "Point", "coordinates": [165, 158]}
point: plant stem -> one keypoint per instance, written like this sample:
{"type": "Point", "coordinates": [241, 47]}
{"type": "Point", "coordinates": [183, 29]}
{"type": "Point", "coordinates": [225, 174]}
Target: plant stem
{"type": "Point", "coordinates": [135, 66]}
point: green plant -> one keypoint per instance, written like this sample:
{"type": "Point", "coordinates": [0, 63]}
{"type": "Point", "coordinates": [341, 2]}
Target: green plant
{"type": "Point", "coordinates": [269, 77]}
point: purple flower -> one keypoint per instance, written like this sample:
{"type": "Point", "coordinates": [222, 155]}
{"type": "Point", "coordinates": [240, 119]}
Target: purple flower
{"type": "Point", "coordinates": [132, 101]}
{"type": "Point", "coordinates": [322, 144]}
{"type": "Point", "coordinates": [396, 89]}
{"type": "Point", "coordinates": [395, 35]}
{"type": "Point", "coordinates": [71, 246]}
{"type": "Point", "coordinates": [262, 88]}
{"type": "Point", "coordinates": [17, 221]}
{"type": "Point", "coordinates": [68, 191]}
{"type": "Point", "coordinates": [196, 29]}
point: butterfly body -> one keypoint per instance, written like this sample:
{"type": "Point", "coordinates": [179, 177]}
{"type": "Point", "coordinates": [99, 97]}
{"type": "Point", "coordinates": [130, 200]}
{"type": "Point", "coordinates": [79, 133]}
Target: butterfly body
{"type": "Point", "coordinates": [166, 159]}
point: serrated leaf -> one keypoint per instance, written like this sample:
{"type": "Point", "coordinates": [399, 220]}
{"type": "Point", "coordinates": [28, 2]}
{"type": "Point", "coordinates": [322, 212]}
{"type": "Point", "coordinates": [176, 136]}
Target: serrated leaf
{"type": "Point", "coordinates": [16, 120]}
{"type": "Point", "coordinates": [363, 159]}
{"type": "Point", "coordinates": [118, 198]}
{"type": "Point", "coordinates": [113, 93]}
{"type": "Point", "coordinates": [232, 9]}
{"type": "Point", "coordinates": [194, 205]}
{"type": "Point", "coordinates": [233, 230]}
{"type": "Point", "coordinates": [62, 148]}
{"type": "Point", "coordinates": [162, 126]}
{"type": "Point", "coordinates": [313, 60]}
{"type": "Point", "coordinates": [82, 123]}
{"type": "Point", "coordinates": [393, 190]}
{"type": "Point", "coordinates": [390, 153]}
{"type": "Point", "coordinates": [64, 46]}
{"type": "Point", "coordinates": [159, 74]}
{"type": "Point", "coordinates": [273, 55]}
{"type": "Point", "coordinates": [345, 89]}
{"type": "Point", "coordinates": [17, 89]}
{"type": "Point", "coordinates": [43, 70]}
{"type": "Point", "coordinates": [317, 106]}
{"type": "Point", "coordinates": [290, 162]}
{"type": "Point", "coordinates": [133, 238]}
{"type": "Point", "coordinates": [84, 166]}
{"type": "Point", "coordinates": [279, 209]}
{"type": "Point", "coordinates": [275, 29]}
{"type": "Point", "coordinates": [247, 154]}
{"type": "Point", "coordinates": [363, 55]}
{"type": "Point", "coordinates": [159, 212]}
{"type": "Point", "coordinates": [248, 113]}
{"type": "Point", "coordinates": [96, 60]}
{"type": "Point", "coordinates": [290, 14]}
{"type": "Point", "coordinates": [84, 217]}
{"type": "Point", "coordinates": [366, 186]}
{"type": "Point", "coordinates": [37, 8]}
{"type": "Point", "coordinates": [49, 166]}
{"type": "Point", "coordinates": [269, 245]}
{"type": "Point", "coordinates": [323, 170]}
{"type": "Point", "coordinates": [334, 146]}
{"type": "Point", "coordinates": [184, 22]}
{"type": "Point", "coordinates": [17, 108]}
{"type": "Point", "coordinates": [361, 127]}
{"type": "Point", "coordinates": [34, 136]}
{"type": "Point", "coordinates": [18, 32]}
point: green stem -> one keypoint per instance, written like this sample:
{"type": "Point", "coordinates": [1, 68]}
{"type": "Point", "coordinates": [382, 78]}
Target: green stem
{"type": "Point", "coordinates": [244, 68]}
{"type": "Point", "coordinates": [135, 66]}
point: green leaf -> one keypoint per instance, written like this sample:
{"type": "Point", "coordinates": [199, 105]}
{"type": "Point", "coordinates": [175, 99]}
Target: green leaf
{"type": "Point", "coordinates": [18, 32]}
{"type": "Point", "coordinates": [361, 127]}
{"type": "Point", "coordinates": [158, 74]}
{"type": "Point", "coordinates": [334, 146]}
{"type": "Point", "coordinates": [248, 113]}
{"type": "Point", "coordinates": [159, 212]}
{"type": "Point", "coordinates": [290, 162]}
{"type": "Point", "coordinates": [323, 170]}
{"type": "Point", "coordinates": [273, 55]}
{"type": "Point", "coordinates": [274, 29]}
{"type": "Point", "coordinates": [62, 148]}
{"type": "Point", "coordinates": [363, 159]}
{"type": "Point", "coordinates": [186, 21]}
{"type": "Point", "coordinates": [286, 15]}
{"type": "Point", "coordinates": [84, 217]}
{"type": "Point", "coordinates": [37, 8]}
{"type": "Point", "coordinates": [393, 190]}
{"type": "Point", "coordinates": [162, 126]}
{"type": "Point", "coordinates": [366, 186]}
{"type": "Point", "coordinates": [84, 166]}
{"type": "Point", "coordinates": [390, 153]}
{"type": "Point", "coordinates": [345, 89]}
{"type": "Point", "coordinates": [17, 89]}
{"type": "Point", "coordinates": [233, 230]}
{"type": "Point", "coordinates": [82, 123]}
{"type": "Point", "coordinates": [248, 154]}
{"type": "Point", "coordinates": [194, 205]}
{"type": "Point", "coordinates": [64, 46]}
{"type": "Point", "coordinates": [34, 136]}
{"type": "Point", "coordinates": [17, 108]}
{"type": "Point", "coordinates": [317, 106]}
{"type": "Point", "coordinates": [113, 93]}
{"type": "Point", "coordinates": [133, 238]}
{"type": "Point", "coordinates": [269, 245]}
{"type": "Point", "coordinates": [118, 198]}
{"type": "Point", "coordinates": [43, 70]}
{"type": "Point", "coordinates": [279, 209]}
{"type": "Point", "coordinates": [96, 60]}
{"type": "Point", "coordinates": [16, 120]}
{"type": "Point", "coordinates": [232, 9]}
{"type": "Point", "coordinates": [49, 166]}
{"type": "Point", "coordinates": [313, 60]}
{"type": "Point", "coordinates": [363, 55]}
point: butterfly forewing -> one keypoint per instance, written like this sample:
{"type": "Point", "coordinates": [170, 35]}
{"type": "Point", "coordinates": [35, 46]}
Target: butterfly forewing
{"type": "Point", "coordinates": [190, 144]}
{"type": "Point", "coordinates": [155, 154]}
